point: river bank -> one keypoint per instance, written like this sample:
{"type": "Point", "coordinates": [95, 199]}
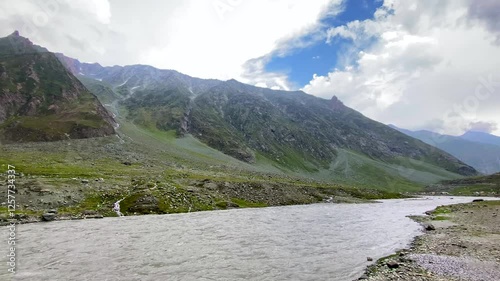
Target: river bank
{"type": "Point", "coordinates": [461, 242]}
{"type": "Point", "coordinates": [146, 198]}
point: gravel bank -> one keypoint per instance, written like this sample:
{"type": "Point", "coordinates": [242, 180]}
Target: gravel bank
{"type": "Point", "coordinates": [463, 244]}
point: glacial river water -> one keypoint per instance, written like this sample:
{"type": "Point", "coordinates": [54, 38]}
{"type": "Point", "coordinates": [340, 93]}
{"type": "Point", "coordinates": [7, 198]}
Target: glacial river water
{"type": "Point", "coordinates": [308, 242]}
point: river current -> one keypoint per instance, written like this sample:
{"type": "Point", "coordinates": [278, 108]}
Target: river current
{"type": "Point", "coordinates": [307, 242]}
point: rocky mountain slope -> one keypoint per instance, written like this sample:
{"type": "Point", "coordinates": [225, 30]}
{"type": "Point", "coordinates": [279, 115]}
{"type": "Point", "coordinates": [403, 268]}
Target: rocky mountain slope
{"type": "Point", "coordinates": [483, 156]}
{"type": "Point", "coordinates": [41, 101]}
{"type": "Point", "coordinates": [292, 129]}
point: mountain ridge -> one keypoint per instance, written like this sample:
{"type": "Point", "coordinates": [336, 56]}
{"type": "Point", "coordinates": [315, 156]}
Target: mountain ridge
{"type": "Point", "coordinates": [481, 137]}
{"type": "Point", "coordinates": [293, 129]}
{"type": "Point", "coordinates": [485, 157]}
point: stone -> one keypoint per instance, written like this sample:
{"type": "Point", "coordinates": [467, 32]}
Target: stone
{"type": "Point", "coordinates": [478, 200]}
{"type": "Point", "coordinates": [429, 227]}
{"type": "Point", "coordinates": [89, 213]}
{"type": "Point", "coordinates": [392, 264]}
{"type": "Point", "coordinates": [85, 181]}
{"type": "Point", "coordinates": [96, 216]}
{"type": "Point", "coordinates": [48, 217]}
{"type": "Point", "coordinates": [363, 277]}
{"type": "Point", "coordinates": [210, 185]}
{"type": "Point", "coordinates": [369, 259]}
{"type": "Point", "coordinates": [127, 163]}
{"type": "Point", "coordinates": [52, 211]}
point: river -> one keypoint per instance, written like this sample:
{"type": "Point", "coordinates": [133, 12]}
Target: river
{"type": "Point", "coordinates": [307, 242]}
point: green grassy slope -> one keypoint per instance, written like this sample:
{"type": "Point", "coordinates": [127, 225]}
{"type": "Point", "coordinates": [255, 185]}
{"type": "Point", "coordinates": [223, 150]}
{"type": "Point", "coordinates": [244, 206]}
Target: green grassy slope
{"type": "Point", "coordinates": [347, 166]}
{"type": "Point", "coordinates": [482, 185]}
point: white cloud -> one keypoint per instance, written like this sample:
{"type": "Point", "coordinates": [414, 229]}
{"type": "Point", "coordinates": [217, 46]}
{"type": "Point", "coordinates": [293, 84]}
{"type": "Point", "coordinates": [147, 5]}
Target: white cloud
{"type": "Point", "coordinates": [207, 39]}
{"type": "Point", "coordinates": [423, 70]}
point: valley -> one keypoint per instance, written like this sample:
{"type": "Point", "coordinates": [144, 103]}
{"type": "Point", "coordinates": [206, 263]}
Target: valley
{"type": "Point", "coordinates": [183, 144]}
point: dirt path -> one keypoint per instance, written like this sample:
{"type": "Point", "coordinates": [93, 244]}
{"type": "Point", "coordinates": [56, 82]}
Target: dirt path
{"type": "Point", "coordinates": [464, 245]}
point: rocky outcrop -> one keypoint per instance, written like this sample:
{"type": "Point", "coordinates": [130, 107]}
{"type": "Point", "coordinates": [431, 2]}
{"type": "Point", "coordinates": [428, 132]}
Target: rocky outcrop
{"type": "Point", "coordinates": [41, 101]}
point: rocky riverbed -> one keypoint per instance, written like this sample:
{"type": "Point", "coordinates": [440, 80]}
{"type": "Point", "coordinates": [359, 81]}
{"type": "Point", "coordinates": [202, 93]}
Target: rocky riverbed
{"type": "Point", "coordinates": [461, 242]}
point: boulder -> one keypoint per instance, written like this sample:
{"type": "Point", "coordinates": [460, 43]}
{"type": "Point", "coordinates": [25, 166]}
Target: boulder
{"type": "Point", "coordinates": [392, 264]}
{"type": "Point", "coordinates": [429, 227]}
{"type": "Point", "coordinates": [48, 217]}
{"type": "Point", "coordinates": [52, 211]}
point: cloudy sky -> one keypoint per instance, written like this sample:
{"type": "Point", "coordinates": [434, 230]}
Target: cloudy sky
{"type": "Point", "coordinates": [418, 64]}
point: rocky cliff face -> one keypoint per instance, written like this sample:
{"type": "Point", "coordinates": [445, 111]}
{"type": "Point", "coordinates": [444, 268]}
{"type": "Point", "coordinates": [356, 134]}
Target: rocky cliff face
{"type": "Point", "coordinates": [41, 101]}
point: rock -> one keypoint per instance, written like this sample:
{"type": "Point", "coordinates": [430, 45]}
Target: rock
{"type": "Point", "coordinates": [459, 245]}
{"type": "Point", "coordinates": [96, 216]}
{"type": "Point", "coordinates": [369, 259]}
{"type": "Point", "coordinates": [20, 216]}
{"type": "Point", "coordinates": [363, 277]}
{"type": "Point", "coordinates": [127, 163]}
{"type": "Point", "coordinates": [48, 217]}
{"type": "Point", "coordinates": [392, 264]}
{"type": "Point", "coordinates": [429, 227]}
{"type": "Point", "coordinates": [85, 181]}
{"type": "Point", "coordinates": [146, 204]}
{"type": "Point", "coordinates": [89, 213]}
{"type": "Point", "coordinates": [210, 185]}
{"type": "Point", "coordinates": [478, 200]}
{"type": "Point", "coordinates": [52, 211]}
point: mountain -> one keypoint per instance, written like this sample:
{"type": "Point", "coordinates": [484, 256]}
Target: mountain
{"type": "Point", "coordinates": [294, 131]}
{"type": "Point", "coordinates": [41, 101]}
{"type": "Point", "coordinates": [483, 156]}
{"type": "Point", "coordinates": [481, 137]}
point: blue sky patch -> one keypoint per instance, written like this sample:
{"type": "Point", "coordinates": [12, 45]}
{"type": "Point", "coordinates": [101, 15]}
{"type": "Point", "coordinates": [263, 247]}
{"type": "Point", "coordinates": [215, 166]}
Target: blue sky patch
{"type": "Point", "coordinates": [321, 58]}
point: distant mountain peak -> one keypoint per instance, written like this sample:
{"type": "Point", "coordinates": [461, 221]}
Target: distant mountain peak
{"type": "Point", "coordinates": [481, 137]}
{"type": "Point", "coordinates": [22, 45]}
{"type": "Point", "coordinates": [335, 103]}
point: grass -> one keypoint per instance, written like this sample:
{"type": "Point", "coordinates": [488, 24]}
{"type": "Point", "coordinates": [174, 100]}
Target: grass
{"type": "Point", "coordinates": [483, 185]}
{"type": "Point", "coordinates": [246, 204]}
{"type": "Point", "coordinates": [442, 210]}
{"type": "Point", "coordinates": [440, 218]}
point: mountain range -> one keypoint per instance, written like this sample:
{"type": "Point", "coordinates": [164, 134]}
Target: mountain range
{"type": "Point", "coordinates": [47, 97]}
{"type": "Point", "coordinates": [478, 149]}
